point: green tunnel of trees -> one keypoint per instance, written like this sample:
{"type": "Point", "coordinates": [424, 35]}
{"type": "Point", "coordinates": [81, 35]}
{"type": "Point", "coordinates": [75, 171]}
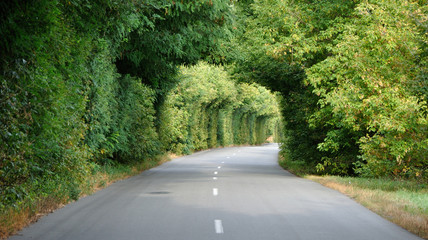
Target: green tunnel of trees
{"type": "Point", "coordinates": [87, 83]}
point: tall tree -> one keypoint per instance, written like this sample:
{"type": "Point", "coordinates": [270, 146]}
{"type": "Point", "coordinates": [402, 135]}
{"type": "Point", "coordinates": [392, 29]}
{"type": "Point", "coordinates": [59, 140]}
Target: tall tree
{"type": "Point", "coordinates": [349, 73]}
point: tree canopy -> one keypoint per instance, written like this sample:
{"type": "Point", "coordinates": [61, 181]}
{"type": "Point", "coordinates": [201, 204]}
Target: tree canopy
{"type": "Point", "coordinates": [353, 78]}
{"type": "Point", "coordinates": [85, 84]}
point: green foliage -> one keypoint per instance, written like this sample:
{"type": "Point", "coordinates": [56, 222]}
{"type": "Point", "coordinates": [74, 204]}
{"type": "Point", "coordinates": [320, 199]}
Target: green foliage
{"type": "Point", "coordinates": [172, 33]}
{"type": "Point", "coordinates": [102, 105]}
{"type": "Point", "coordinates": [352, 77]}
{"type": "Point", "coordinates": [72, 86]}
{"type": "Point", "coordinates": [137, 137]}
{"type": "Point", "coordinates": [86, 84]}
{"type": "Point", "coordinates": [44, 103]}
{"type": "Point", "coordinates": [372, 69]}
{"type": "Point", "coordinates": [207, 109]}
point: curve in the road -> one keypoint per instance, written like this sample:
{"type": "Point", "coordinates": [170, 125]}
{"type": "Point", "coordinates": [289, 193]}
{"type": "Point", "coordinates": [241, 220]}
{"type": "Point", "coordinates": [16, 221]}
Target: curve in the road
{"type": "Point", "coordinates": [230, 193]}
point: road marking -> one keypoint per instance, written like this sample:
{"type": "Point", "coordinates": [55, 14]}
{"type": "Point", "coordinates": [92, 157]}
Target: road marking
{"type": "Point", "coordinates": [215, 172]}
{"type": "Point", "coordinates": [219, 167]}
{"type": "Point", "coordinates": [215, 178]}
{"type": "Point", "coordinates": [222, 162]}
{"type": "Point", "coordinates": [218, 226]}
{"type": "Point", "coordinates": [227, 157]}
{"type": "Point", "coordinates": [215, 191]}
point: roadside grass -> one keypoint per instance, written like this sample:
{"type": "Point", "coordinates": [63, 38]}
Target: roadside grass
{"type": "Point", "coordinates": [108, 174]}
{"type": "Point", "coordinates": [402, 202]}
{"type": "Point", "coordinates": [13, 219]}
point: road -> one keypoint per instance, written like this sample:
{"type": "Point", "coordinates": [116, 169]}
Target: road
{"type": "Point", "coordinates": [237, 193]}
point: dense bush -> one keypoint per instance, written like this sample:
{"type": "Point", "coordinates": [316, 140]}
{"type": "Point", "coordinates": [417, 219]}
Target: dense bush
{"type": "Point", "coordinates": [352, 75]}
{"type": "Point", "coordinates": [90, 83]}
{"type": "Point", "coordinates": [72, 77]}
{"type": "Point", "coordinates": [207, 109]}
{"type": "Point", "coordinates": [136, 137]}
{"type": "Point", "coordinates": [43, 101]}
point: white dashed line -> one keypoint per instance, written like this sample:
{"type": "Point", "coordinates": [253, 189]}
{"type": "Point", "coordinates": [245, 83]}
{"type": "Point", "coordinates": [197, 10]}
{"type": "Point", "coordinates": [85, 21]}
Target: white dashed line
{"type": "Point", "coordinates": [215, 191]}
{"type": "Point", "coordinates": [218, 226]}
{"type": "Point", "coordinates": [219, 167]}
{"type": "Point", "coordinates": [214, 178]}
{"type": "Point", "coordinates": [222, 162]}
{"type": "Point", "coordinates": [215, 172]}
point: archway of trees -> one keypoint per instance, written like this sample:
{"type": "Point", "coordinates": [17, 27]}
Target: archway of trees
{"type": "Point", "coordinates": [89, 83]}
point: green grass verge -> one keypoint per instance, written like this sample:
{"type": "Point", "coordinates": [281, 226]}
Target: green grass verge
{"type": "Point", "coordinates": [415, 193]}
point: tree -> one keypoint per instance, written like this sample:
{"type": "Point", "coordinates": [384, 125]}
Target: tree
{"type": "Point", "coordinates": [348, 73]}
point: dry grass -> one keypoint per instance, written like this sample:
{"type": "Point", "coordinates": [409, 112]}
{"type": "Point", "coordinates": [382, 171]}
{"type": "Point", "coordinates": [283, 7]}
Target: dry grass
{"type": "Point", "coordinates": [14, 219]}
{"type": "Point", "coordinates": [399, 211]}
{"type": "Point", "coordinates": [173, 156]}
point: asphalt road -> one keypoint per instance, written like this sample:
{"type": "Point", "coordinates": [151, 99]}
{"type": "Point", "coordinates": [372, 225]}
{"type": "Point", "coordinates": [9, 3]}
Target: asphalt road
{"type": "Point", "coordinates": [231, 193]}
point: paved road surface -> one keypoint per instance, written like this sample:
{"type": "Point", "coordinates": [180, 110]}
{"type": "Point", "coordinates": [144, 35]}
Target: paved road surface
{"type": "Point", "coordinates": [231, 193]}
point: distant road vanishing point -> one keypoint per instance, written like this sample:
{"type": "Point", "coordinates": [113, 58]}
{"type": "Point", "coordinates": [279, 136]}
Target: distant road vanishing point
{"type": "Point", "coordinates": [237, 193]}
